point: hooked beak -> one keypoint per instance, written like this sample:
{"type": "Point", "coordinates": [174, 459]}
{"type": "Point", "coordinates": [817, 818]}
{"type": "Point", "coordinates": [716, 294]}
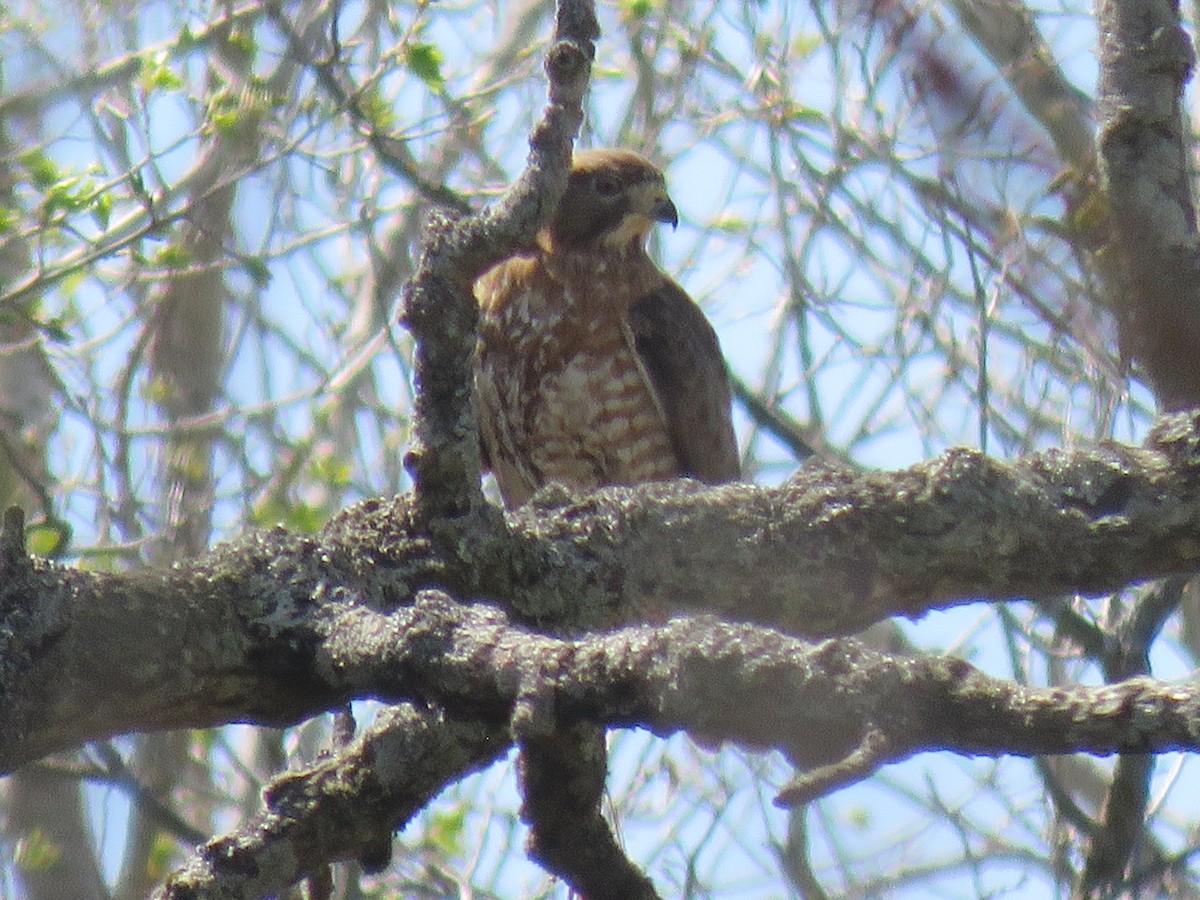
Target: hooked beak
{"type": "Point", "coordinates": [664, 211]}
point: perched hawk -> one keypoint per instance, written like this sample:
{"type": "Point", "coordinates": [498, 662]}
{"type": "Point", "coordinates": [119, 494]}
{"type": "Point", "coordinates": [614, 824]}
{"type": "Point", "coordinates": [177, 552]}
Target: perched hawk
{"type": "Point", "coordinates": [594, 367]}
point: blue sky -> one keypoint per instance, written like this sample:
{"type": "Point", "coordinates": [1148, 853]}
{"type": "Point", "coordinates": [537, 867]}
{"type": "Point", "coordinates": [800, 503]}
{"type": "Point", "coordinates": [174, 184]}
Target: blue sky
{"type": "Point", "coordinates": [716, 166]}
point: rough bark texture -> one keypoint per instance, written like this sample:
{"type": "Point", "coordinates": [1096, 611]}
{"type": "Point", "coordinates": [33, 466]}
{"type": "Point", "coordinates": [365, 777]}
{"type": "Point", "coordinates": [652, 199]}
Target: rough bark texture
{"type": "Point", "coordinates": [277, 626]}
{"type": "Point", "coordinates": [488, 629]}
{"type": "Point", "coordinates": [346, 807]}
{"type": "Point", "coordinates": [1145, 60]}
{"type": "Point", "coordinates": [836, 707]}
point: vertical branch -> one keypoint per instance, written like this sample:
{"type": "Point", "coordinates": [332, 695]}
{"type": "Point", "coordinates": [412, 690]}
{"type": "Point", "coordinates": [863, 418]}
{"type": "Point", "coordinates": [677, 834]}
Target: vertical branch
{"type": "Point", "coordinates": [439, 307]}
{"type": "Point", "coordinates": [1007, 31]}
{"type": "Point", "coordinates": [1123, 838]}
{"type": "Point", "coordinates": [562, 784]}
{"type": "Point", "coordinates": [1145, 59]}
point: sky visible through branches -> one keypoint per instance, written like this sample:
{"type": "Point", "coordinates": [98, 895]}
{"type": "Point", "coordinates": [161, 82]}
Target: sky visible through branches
{"type": "Point", "coordinates": [885, 236]}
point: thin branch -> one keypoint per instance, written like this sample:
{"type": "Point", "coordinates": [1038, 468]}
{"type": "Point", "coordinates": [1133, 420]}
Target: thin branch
{"type": "Point", "coordinates": [334, 81]}
{"type": "Point", "coordinates": [1121, 836]}
{"type": "Point", "coordinates": [1007, 32]}
{"type": "Point", "coordinates": [439, 308]}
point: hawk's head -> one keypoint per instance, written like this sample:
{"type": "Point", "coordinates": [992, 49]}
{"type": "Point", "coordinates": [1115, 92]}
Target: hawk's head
{"type": "Point", "coordinates": [612, 200]}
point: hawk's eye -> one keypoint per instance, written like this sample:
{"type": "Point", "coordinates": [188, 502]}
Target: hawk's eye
{"type": "Point", "coordinates": [607, 185]}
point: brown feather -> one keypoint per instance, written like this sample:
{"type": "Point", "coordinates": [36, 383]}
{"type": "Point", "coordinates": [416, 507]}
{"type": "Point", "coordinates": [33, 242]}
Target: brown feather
{"type": "Point", "coordinates": [679, 349]}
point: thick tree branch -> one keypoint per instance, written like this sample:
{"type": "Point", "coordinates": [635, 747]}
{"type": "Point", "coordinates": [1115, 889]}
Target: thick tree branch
{"type": "Point", "coordinates": [1145, 60]}
{"type": "Point", "coordinates": [759, 688]}
{"type": "Point", "coordinates": [835, 707]}
{"type": "Point", "coordinates": [708, 677]}
{"type": "Point", "coordinates": [256, 630]}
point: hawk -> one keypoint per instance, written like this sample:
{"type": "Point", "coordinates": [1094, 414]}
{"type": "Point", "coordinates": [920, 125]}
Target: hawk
{"type": "Point", "coordinates": [594, 367]}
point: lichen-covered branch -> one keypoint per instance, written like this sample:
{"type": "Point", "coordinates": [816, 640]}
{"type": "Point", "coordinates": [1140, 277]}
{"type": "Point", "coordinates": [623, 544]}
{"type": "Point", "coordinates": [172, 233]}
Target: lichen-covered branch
{"type": "Point", "coordinates": [835, 708]}
{"type": "Point", "coordinates": [439, 307]}
{"type": "Point", "coordinates": [249, 632]}
{"type": "Point", "coordinates": [707, 676]}
{"type": "Point", "coordinates": [344, 807]}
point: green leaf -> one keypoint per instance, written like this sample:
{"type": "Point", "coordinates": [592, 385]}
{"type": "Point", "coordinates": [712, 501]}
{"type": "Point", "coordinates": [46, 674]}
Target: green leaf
{"type": "Point", "coordinates": [48, 539]}
{"type": "Point", "coordinates": [425, 61]}
{"type": "Point", "coordinates": [258, 270]}
{"type": "Point", "coordinates": [186, 39]}
{"type": "Point", "coordinates": [224, 121]}
{"type": "Point", "coordinates": [36, 851]}
{"type": "Point", "coordinates": [860, 818]}
{"type": "Point", "coordinates": [634, 10]}
{"type": "Point", "coordinates": [172, 256]}
{"type": "Point", "coordinates": [155, 74]}
{"type": "Point", "coordinates": [729, 223]}
{"type": "Point", "coordinates": [102, 210]}
{"type": "Point", "coordinates": [241, 39]}
{"type": "Point", "coordinates": [331, 470]}
{"type": "Point", "coordinates": [445, 831]}
{"type": "Point", "coordinates": [42, 170]}
{"type": "Point", "coordinates": [55, 330]}
{"type": "Point", "coordinates": [222, 113]}
{"type": "Point", "coordinates": [300, 517]}
{"type": "Point", "coordinates": [69, 192]}
{"type": "Point", "coordinates": [376, 110]}
{"type": "Point", "coordinates": [161, 855]}
{"type": "Point", "coordinates": [806, 45]}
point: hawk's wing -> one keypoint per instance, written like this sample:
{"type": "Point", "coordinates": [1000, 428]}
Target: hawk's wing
{"type": "Point", "coordinates": [679, 350]}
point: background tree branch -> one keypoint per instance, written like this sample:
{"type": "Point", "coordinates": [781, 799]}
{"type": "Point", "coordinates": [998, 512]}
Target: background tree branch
{"type": "Point", "coordinates": [1146, 58]}
{"type": "Point", "coordinates": [276, 607]}
{"type": "Point", "coordinates": [890, 213]}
